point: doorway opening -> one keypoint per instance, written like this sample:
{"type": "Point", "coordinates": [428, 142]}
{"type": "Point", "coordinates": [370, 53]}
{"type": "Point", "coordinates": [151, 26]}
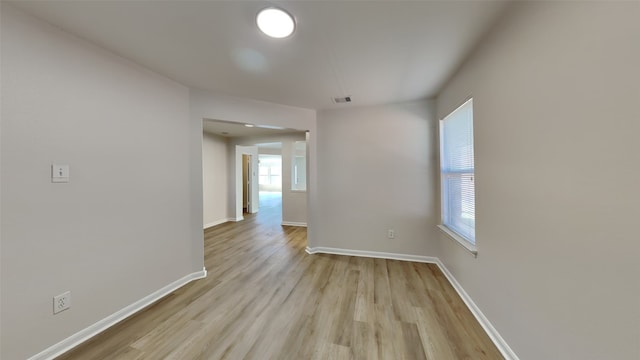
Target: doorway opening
{"type": "Point", "coordinates": [270, 178]}
{"type": "Point", "coordinates": [246, 180]}
{"type": "Point", "coordinates": [245, 169]}
{"type": "Point", "coordinates": [246, 183]}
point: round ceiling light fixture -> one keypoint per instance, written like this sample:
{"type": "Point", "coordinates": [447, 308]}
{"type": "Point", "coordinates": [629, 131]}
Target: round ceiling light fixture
{"type": "Point", "coordinates": [275, 22]}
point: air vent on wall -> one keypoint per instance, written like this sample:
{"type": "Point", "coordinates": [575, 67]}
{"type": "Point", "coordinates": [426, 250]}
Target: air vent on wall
{"type": "Point", "coordinates": [341, 100]}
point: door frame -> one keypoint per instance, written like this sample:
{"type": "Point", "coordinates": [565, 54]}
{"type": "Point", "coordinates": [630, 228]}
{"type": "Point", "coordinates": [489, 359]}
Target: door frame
{"type": "Point", "coordinates": [254, 201]}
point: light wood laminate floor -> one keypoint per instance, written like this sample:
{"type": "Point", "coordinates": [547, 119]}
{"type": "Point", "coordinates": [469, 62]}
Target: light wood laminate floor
{"type": "Point", "coordinates": [265, 298]}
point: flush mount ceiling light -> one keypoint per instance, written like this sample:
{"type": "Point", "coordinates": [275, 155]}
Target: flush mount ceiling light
{"type": "Point", "coordinates": [275, 22]}
{"type": "Point", "coordinates": [249, 125]}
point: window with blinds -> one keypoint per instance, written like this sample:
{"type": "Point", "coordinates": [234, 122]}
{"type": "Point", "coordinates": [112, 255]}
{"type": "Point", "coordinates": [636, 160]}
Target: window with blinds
{"type": "Point", "coordinates": [457, 172]}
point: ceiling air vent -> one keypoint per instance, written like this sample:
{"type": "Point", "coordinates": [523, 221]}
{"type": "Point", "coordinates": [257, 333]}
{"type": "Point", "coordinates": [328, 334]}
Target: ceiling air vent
{"type": "Point", "coordinates": [341, 100]}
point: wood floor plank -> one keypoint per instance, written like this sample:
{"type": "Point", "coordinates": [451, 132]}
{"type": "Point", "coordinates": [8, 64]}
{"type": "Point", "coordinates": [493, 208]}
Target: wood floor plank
{"type": "Point", "coordinates": [388, 333]}
{"type": "Point", "coordinates": [433, 336]}
{"type": "Point", "coordinates": [362, 338]}
{"type": "Point", "coordinates": [265, 298]}
{"type": "Point", "coordinates": [365, 294]}
{"type": "Point", "coordinates": [412, 343]}
{"type": "Point", "coordinates": [345, 308]}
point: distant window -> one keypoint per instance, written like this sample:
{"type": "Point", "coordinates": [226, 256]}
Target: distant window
{"type": "Point", "coordinates": [269, 169]}
{"type": "Point", "coordinates": [299, 166]}
{"type": "Point", "coordinates": [457, 174]}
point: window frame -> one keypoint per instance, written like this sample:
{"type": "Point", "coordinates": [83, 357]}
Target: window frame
{"type": "Point", "coordinates": [468, 244]}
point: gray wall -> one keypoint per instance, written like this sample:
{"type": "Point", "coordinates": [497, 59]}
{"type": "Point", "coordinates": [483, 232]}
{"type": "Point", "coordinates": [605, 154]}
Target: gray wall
{"type": "Point", "coordinates": [215, 179]}
{"type": "Point", "coordinates": [377, 168]}
{"type": "Point", "coordinates": [556, 88]}
{"type": "Point", "coordinates": [119, 230]}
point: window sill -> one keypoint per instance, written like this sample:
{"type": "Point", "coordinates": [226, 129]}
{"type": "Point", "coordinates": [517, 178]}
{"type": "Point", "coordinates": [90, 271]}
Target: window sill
{"type": "Point", "coordinates": [298, 191]}
{"type": "Point", "coordinates": [471, 248]}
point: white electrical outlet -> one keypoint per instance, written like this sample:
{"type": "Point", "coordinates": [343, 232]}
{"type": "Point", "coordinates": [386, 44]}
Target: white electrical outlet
{"type": "Point", "coordinates": [391, 234]}
{"type": "Point", "coordinates": [61, 302]}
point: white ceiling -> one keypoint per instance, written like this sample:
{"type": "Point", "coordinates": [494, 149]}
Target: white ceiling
{"type": "Point", "coordinates": [375, 51]}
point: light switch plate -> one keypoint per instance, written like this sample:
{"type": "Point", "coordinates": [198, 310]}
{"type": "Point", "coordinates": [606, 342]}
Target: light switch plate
{"type": "Point", "coordinates": [59, 173]}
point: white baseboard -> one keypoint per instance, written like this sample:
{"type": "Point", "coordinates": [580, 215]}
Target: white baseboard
{"type": "Point", "coordinates": [93, 330]}
{"type": "Point", "coordinates": [502, 345]}
{"type": "Point", "coordinates": [372, 254]}
{"type": "Point", "coordinates": [292, 223]}
{"type": "Point", "coordinates": [218, 222]}
{"type": "Point", "coordinates": [240, 218]}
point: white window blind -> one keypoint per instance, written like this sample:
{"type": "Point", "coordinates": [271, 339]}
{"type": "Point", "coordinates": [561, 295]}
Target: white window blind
{"type": "Point", "coordinates": [457, 172]}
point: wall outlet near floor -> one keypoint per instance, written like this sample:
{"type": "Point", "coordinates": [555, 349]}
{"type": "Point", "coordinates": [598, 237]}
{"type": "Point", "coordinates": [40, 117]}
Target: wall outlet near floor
{"type": "Point", "coordinates": [61, 302]}
{"type": "Point", "coordinates": [391, 234]}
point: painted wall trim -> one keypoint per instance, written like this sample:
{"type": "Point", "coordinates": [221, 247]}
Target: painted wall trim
{"type": "Point", "coordinates": [500, 343]}
{"type": "Point", "coordinates": [102, 325]}
{"type": "Point", "coordinates": [371, 254]}
{"type": "Point", "coordinates": [217, 222]}
{"type": "Point", "coordinates": [238, 219]}
{"type": "Point", "coordinates": [293, 223]}
{"type": "Point", "coordinates": [491, 331]}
